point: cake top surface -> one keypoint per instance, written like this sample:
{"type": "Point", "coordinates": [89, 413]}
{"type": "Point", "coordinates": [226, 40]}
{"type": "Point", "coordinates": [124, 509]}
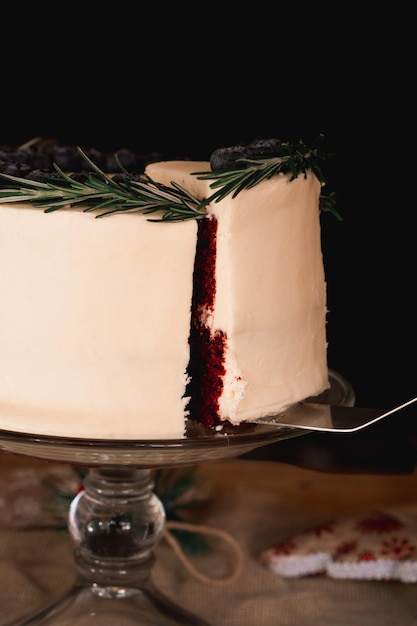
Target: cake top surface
{"type": "Point", "coordinates": [118, 183]}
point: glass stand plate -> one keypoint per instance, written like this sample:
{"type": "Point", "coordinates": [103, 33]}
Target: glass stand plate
{"type": "Point", "coordinates": [200, 445]}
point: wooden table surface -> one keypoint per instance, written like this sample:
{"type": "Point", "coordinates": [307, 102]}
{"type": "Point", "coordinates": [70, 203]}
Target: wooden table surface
{"type": "Point", "coordinates": [312, 490]}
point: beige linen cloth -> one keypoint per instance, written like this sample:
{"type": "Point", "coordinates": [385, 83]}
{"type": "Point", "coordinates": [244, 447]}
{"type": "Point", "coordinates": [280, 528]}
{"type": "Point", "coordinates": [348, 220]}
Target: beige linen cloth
{"type": "Point", "coordinates": [258, 504]}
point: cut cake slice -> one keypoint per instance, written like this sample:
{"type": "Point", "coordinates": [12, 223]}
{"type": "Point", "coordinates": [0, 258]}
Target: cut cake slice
{"type": "Point", "coordinates": [258, 342]}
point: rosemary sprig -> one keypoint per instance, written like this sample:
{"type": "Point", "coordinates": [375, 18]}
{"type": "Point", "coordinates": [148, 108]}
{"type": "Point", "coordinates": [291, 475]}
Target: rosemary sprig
{"type": "Point", "coordinates": [97, 191]}
{"type": "Point", "coordinates": [250, 171]}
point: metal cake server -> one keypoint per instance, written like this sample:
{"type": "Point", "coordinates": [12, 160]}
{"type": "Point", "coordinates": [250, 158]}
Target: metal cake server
{"type": "Point", "coordinates": [330, 418]}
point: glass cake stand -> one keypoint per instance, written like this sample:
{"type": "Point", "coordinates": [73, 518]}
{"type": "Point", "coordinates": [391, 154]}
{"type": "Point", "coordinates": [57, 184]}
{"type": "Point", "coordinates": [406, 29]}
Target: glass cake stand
{"type": "Point", "coordinates": [117, 520]}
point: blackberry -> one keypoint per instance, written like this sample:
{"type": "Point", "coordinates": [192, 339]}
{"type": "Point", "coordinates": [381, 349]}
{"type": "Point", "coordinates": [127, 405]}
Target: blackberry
{"type": "Point", "coordinates": [41, 160]}
{"type": "Point", "coordinates": [67, 158]}
{"type": "Point", "coordinates": [122, 177]}
{"type": "Point", "coordinates": [264, 148]}
{"type": "Point", "coordinates": [80, 177]}
{"type": "Point", "coordinates": [226, 158]}
{"type": "Point", "coordinates": [97, 157]}
{"type": "Point", "coordinates": [43, 175]}
{"type": "Point", "coordinates": [129, 160]}
{"type": "Point", "coordinates": [14, 168]}
{"type": "Point", "coordinates": [18, 156]}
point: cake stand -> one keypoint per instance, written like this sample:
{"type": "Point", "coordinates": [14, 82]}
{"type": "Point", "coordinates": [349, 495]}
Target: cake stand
{"type": "Point", "coordinates": [116, 521]}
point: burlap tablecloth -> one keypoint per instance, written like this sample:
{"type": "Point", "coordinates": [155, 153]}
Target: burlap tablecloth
{"type": "Point", "coordinates": [258, 504]}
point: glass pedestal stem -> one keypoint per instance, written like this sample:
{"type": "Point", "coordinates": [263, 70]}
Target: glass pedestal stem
{"type": "Point", "coordinates": [116, 522]}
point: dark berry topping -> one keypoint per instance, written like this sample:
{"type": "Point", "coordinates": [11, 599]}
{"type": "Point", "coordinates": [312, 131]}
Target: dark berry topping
{"type": "Point", "coordinates": [67, 158]}
{"type": "Point", "coordinates": [43, 175]}
{"type": "Point", "coordinates": [37, 162]}
{"type": "Point", "coordinates": [21, 170]}
{"type": "Point", "coordinates": [128, 159]}
{"type": "Point", "coordinates": [227, 158]}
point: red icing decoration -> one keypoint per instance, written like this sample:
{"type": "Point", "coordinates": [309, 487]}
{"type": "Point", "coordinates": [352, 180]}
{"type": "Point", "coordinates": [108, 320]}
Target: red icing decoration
{"type": "Point", "coordinates": [285, 547]}
{"type": "Point", "coordinates": [318, 531]}
{"type": "Point", "coordinates": [396, 547]}
{"type": "Point", "coordinates": [346, 547]}
{"type": "Point", "coordinates": [367, 556]}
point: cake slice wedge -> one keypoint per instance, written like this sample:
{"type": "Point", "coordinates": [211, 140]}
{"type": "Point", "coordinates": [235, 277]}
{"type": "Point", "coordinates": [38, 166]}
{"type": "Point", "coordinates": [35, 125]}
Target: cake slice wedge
{"type": "Point", "coordinates": [258, 340]}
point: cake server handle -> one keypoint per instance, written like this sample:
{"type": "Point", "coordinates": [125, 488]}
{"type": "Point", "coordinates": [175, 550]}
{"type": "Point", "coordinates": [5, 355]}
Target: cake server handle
{"type": "Point", "coordinates": [330, 418]}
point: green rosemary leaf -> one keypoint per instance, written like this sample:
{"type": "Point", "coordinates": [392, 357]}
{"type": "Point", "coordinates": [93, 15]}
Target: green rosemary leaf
{"type": "Point", "coordinates": [328, 204]}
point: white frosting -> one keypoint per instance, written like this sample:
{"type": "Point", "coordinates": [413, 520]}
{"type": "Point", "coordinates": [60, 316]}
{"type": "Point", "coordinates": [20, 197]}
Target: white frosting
{"type": "Point", "coordinates": [94, 323]}
{"type": "Point", "coordinates": [95, 313]}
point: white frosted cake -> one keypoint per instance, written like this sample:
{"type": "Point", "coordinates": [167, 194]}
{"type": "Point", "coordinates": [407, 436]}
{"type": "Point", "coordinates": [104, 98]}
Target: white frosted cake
{"type": "Point", "coordinates": [99, 316]}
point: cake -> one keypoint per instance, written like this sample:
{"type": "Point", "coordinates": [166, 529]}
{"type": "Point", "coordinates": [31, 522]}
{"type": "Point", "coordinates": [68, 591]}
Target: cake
{"type": "Point", "coordinates": [132, 325]}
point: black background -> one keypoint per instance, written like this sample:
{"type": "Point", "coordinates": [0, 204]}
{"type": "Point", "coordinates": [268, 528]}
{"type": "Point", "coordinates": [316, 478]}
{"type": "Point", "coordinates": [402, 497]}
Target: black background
{"type": "Point", "coordinates": [187, 86]}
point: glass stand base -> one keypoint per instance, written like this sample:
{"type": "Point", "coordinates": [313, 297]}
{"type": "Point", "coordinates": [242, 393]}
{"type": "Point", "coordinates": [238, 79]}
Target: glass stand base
{"type": "Point", "coordinates": [105, 606]}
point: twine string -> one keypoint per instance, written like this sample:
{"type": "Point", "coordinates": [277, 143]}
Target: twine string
{"type": "Point", "coordinates": [207, 530]}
